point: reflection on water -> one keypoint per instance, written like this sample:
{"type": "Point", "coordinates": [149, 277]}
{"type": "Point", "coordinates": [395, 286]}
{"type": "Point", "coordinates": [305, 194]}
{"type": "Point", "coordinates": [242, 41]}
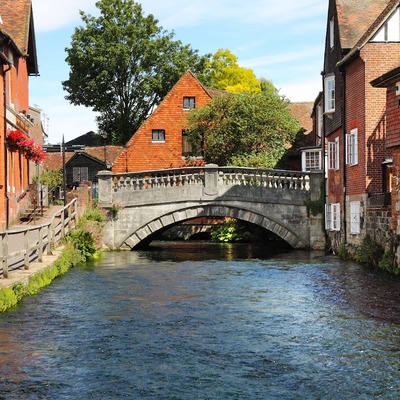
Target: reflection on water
{"type": "Point", "coordinates": [198, 321]}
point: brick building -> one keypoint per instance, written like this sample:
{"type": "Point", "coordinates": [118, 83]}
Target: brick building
{"type": "Point", "coordinates": [160, 142]}
{"type": "Point", "coordinates": [362, 42]}
{"type": "Point", "coordinates": [18, 61]}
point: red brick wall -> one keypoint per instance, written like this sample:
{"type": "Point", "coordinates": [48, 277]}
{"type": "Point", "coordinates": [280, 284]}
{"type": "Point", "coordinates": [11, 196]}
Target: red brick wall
{"type": "Point", "coordinates": [2, 177]}
{"type": "Point", "coordinates": [365, 110]}
{"type": "Point", "coordinates": [335, 177]}
{"type": "Point", "coordinates": [392, 117]}
{"type": "Point", "coordinates": [355, 118]}
{"type": "Point", "coordinates": [143, 154]}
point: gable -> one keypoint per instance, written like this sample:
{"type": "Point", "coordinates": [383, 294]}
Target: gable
{"type": "Point", "coordinates": [390, 30]}
{"type": "Point", "coordinates": [144, 151]}
{"type": "Point", "coordinates": [355, 18]}
{"type": "Point", "coordinates": [16, 22]}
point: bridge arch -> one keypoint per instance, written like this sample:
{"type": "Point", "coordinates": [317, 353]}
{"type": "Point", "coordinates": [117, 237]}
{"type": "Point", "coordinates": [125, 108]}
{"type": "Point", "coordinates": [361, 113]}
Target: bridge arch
{"type": "Point", "coordinates": [142, 234]}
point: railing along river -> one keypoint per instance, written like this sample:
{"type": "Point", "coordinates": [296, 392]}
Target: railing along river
{"type": "Point", "coordinates": [22, 247]}
{"type": "Point", "coordinates": [268, 178]}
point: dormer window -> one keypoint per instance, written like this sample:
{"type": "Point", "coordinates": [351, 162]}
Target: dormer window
{"type": "Point", "coordinates": [189, 103]}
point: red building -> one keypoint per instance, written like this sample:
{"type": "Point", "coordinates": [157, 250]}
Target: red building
{"type": "Point", "coordinates": [362, 42]}
{"type": "Point", "coordinates": [18, 61]}
{"type": "Point", "coordinates": [160, 142]}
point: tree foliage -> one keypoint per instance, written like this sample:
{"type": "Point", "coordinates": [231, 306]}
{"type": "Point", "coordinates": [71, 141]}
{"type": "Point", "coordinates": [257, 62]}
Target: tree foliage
{"type": "Point", "coordinates": [122, 64]}
{"type": "Point", "coordinates": [243, 129]}
{"type": "Point", "coordinates": [224, 72]}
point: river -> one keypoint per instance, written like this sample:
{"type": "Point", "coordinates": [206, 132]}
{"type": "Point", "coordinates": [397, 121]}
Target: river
{"type": "Point", "coordinates": [206, 321]}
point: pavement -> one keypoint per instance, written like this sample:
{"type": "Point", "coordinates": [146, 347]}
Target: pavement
{"type": "Point", "coordinates": [22, 275]}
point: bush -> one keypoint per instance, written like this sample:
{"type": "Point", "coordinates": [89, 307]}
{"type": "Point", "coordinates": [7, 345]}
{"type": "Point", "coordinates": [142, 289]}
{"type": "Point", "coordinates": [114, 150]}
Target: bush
{"type": "Point", "coordinates": [230, 232]}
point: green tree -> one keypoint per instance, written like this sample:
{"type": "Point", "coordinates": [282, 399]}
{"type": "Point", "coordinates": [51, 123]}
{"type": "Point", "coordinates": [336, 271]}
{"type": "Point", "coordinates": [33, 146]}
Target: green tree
{"type": "Point", "coordinates": [122, 64]}
{"type": "Point", "coordinates": [224, 72]}
{"type": "Point", "coordinates": [243, 129]}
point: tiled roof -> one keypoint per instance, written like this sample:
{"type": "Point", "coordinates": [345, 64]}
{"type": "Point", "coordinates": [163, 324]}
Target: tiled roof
{"type": "Point", "coordinates": [112, 152]}
{"type": "Point", "coordinates": [356, 17]}
{"type": "Point", "coordinates": [302, 112]}
{"type": "Point", "coordinates": [54, 160]}
{"type": "Point", "coordinates": [373, 27]}
{"type": "Point", "coordinates": [16, 19]}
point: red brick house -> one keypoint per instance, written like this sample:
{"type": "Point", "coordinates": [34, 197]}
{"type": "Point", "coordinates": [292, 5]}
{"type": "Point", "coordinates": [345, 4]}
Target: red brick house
{"type": "Point", "coordinates": [362, 42]}
{"type": "Point", "coordinates": [391, 82]}
{"type": "Point", "coordinates": [18, 61]}
{"type": "Point", "coordinates": [160, 142]}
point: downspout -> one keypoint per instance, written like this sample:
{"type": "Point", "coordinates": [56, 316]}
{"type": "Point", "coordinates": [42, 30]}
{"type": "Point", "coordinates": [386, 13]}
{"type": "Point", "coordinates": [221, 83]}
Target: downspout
{"type": "Point", "coordinates": [323, 150]}
{"type": "Point", "coordinates": [7, 200]}
{"type": "Point", "coordinates": [344, 125]}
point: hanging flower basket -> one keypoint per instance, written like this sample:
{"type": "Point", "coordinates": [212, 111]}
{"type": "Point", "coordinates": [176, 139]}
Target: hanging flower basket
{"type": "Point", "coordinates": [18, 141]}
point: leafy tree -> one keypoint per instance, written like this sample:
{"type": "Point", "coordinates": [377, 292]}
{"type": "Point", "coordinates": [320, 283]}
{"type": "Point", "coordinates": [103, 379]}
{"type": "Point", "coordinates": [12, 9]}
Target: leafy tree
{"type": "Point", "coordinates": [225, 73]}
{"type": "Point", "coordinates": [122, 64]}
{"type": "Point", "coordinates": [243, 129]}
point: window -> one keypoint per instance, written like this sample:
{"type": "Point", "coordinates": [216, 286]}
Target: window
{"type": "Point", "coordinates": [333, 154]}
{"type": "Point", "coordinates": [311, 160]}
{"type": "Point", "coordinates": [355, 217]}
{"type": "Point", "coordinates": [189, 103]}
{"type": "Point", "coordinates": [158, 135]}
{"type": "Point", "coordinates": [352, 147]}
{"type": "Point", "coordinates": [332, 217]}
{"type": "Point", "coordinates": [331, 33]}
{"type": "Point", "coordinates": [319, 123]}
{"type": "Point", "coordinates": [80, 174]}
{"type": "Point", "coordinates": [329, 94]}
{"type": "Point", "coordinates": [186, 145]}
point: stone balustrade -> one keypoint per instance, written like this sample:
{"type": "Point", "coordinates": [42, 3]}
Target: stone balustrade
{"type": "Point", "coordinates": [268, 178]}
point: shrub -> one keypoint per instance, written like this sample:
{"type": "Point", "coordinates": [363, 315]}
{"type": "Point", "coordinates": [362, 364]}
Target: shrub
{"type": "Point", "coordinates": [230, 231]}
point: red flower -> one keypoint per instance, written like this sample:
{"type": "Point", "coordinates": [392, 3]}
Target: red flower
{"type": "Point", "coordinates": [18, 141]}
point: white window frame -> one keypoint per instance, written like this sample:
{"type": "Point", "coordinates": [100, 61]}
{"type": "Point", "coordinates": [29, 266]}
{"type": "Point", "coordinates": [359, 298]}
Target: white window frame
{"type": "Point", "coordinates": [189, 102]}
{"type": "Point", "coordinates": [331, 33]}
{"type": "Point", "coordinates": [355, 217]}
{"type": "Point", "coordinates": [329, 94]}
{"type": "Point", "coordinates": [158, 135]}
{"type": "Point", "coordinates": [311, 159]}
{"type": "Point", "coordinates": [352, 147]}
{"type": "Point", "coordinates": [332, 217]}
{"type": "Point", "coordinates": [333, 154]}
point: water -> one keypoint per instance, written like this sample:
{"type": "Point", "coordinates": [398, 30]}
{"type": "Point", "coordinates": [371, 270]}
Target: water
{"type": "Point", "coordinates": [197, 321]}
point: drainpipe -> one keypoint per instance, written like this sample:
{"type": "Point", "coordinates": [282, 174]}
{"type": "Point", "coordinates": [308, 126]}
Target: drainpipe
{"type": "Point", "coordinates": [5, 149]}
{"type": "Point", "coordinates": [323, 150]}
{"type": "Point", "coordinates": [344, 125]}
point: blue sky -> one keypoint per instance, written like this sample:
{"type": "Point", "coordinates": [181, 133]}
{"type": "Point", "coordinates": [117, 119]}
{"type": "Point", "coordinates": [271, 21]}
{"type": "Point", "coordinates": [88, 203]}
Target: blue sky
{"type": "Point", "coordinates": [281, 40]}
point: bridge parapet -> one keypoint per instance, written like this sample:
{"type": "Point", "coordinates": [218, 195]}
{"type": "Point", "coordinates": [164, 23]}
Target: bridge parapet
{"type": "Point", "coordinates": [210, 176]}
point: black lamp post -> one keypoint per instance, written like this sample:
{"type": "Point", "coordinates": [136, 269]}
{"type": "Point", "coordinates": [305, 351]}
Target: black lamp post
{"type": "Point", "coordinates": [104, 135]}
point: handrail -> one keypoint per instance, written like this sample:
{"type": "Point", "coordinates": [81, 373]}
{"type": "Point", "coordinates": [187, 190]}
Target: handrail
{"type": "Point", "coordinates": [21, 247]}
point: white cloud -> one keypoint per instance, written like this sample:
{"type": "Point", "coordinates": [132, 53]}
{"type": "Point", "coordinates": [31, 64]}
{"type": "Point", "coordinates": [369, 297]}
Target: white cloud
{"type": "Point", "coordinates": [301, 91]}
{"type": "Point", "coordinates": [268, 12]}
{"type": "Point", "coordinates": [50, 15]}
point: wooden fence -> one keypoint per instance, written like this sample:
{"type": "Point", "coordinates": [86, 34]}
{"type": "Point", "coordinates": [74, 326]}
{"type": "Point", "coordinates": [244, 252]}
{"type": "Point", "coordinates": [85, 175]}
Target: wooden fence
{"type": "Point", "coordinates": [21, 247]}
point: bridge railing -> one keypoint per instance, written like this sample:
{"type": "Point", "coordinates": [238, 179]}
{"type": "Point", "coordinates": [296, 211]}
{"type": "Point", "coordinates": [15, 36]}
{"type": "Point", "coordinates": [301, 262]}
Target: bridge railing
{"type": "Point", "coordinates": [21, 247]}
{"type": "Point", "coordinates": [268, 178]}
{"type": "Point", "coordinates": [159, 179]}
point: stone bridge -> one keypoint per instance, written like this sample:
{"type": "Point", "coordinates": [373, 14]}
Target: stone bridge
{"type": "Point", "coordinates": [143, 204]}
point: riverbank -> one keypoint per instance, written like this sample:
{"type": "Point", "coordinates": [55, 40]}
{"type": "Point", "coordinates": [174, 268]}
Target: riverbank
{"type": "Point", "coordinates": [22, 283]}
{"type": "Point", "coordinates": [81, 243]}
